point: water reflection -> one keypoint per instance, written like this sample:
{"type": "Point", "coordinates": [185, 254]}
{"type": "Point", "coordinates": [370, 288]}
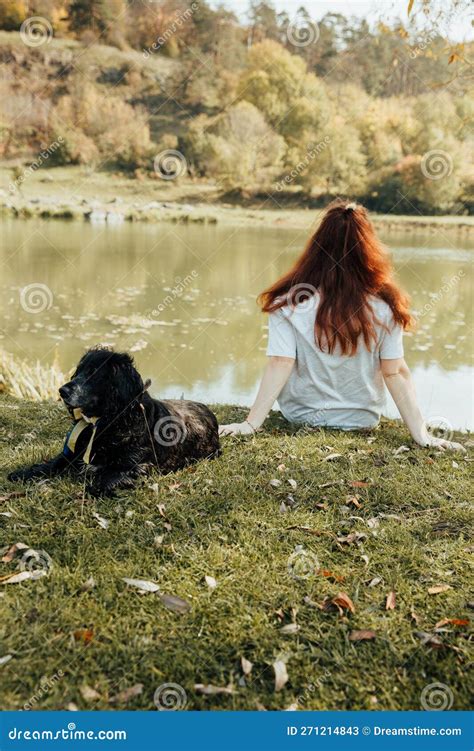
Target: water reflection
{"type": "Point", "coordinates": [183, 299]}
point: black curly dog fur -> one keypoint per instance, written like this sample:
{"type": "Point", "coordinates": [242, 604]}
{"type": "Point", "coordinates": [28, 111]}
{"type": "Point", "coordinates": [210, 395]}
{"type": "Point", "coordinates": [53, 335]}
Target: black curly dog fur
{"type": "Point", "coordinates": [133, 433]}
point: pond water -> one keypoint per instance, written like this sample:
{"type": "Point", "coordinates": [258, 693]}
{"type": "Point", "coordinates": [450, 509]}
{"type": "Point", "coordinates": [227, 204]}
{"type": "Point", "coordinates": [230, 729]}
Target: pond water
{"type": "Point", "coordinates": [182, 298]}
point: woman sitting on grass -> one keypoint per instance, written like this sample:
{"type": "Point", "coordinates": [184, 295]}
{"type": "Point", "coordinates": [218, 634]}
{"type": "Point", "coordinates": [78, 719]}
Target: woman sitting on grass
{"type": "Point", "coordinates": [335, 335]}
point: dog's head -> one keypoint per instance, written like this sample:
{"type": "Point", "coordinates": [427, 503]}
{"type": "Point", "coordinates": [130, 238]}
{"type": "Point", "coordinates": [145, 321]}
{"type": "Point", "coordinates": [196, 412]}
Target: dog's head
{"type": "Point", "coordinates": [104, 382]}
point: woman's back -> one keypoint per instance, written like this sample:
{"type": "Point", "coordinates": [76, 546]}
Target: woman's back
{"type": "Point", "coordinates": [333, 389]}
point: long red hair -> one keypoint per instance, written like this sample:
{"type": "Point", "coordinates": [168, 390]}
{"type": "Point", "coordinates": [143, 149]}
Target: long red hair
{"type": "Point", "coordinates": [345, 263]}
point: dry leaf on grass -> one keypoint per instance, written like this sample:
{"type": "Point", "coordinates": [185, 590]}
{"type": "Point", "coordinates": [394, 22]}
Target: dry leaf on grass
{"type": "Point", "coordinates": [88, 584]}
{"type": "Point", "coordinates": [293, 484]}
{"type": "Point", "coordinates": [290, 628]}
{"type": "Point", "coordinates": [21, 576]}
{"type": "Point", "coordinates": [438, 589]}
{"type": "Point", "coordinates": [429, 640]}
{"type": "Point", "coordinates": [176, 604]}
{"type": "Point", "coordinates": [452, 622]}
{"type": "Point", "coordinates": [129, 693]}
{"type": "Point", "coordinates": [89, 694]}
{"type": "Point", "coordinates": [329, 575]}
{"type": "Point", "coordinates": [246, 666]}
{"type": "Point", "coordinates": [341, 601]}
{"type": "Point", "coordinates": [359, 484]}
{"type": "Point", "coordinates": [362, 635]}
{"type": "Point", "coordinates": [375, 581]}
{"type": "Point", "coordinates": [13, 550]}
{"type": "Point", "coordinates": [210, 581]}
{"type": "Point", "coordinates": [275, 483]}
{"type": "Point", "coordinates": [210, 690]}
{"type": "Point", "coordinates": [14, 494]}
{"type": "Point", "coordinates": [104, 523]}
{"type": "Point", "coordinates": [143, 584]}
{"type": "Point", "coordinates": [85, 635]}
{"type": "Point", "coordinates": [332, 457]}
{"type": "Point", "coordinates": [5, 659]}
{"type": "Point", "coordinates": [281, 674]}
{"type": "Point", "coordinates": [391, 601]}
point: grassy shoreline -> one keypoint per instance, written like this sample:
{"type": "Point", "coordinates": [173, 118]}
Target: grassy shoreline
{"type": "Point", "coordinates": [368, 518]}
{"type": "Point", "coordinates": [74, 193]}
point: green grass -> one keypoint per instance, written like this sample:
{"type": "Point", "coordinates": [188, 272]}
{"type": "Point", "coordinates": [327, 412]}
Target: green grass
{"type": "Point", "coordinates": [223, 519]}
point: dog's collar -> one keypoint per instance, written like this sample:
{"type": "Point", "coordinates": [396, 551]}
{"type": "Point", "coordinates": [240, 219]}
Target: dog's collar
{"type": "Point", "coordinates": [82, 422]}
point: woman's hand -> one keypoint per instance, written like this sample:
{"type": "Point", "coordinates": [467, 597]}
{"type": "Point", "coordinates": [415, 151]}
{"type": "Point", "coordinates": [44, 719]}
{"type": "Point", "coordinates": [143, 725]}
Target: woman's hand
{"type": "Point", "coordinates": [440, 443]}
{"type": "Point", "coordinates": [237, 428]}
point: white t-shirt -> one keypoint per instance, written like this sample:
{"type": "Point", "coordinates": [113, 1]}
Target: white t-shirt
{"type": "Point", "coordinates": [340, 391]}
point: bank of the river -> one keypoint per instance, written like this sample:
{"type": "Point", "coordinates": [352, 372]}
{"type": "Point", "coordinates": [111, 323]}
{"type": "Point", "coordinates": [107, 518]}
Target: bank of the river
{"type": "Point", "coordinates": [283, 523]}
{"type": "Point", "coordinates": [105, 197]}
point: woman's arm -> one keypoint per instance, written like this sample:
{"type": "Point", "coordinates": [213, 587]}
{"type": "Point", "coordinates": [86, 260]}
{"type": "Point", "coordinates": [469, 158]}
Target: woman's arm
{"type": "Point", "coordinates": [276, 374]}
{"type": "Point", "coordinates": [399, 382]}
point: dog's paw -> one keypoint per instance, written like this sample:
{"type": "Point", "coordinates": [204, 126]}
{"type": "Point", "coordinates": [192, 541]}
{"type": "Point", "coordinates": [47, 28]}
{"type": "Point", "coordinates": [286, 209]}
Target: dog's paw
{"type": "Point", "coordinates": [19, 475]}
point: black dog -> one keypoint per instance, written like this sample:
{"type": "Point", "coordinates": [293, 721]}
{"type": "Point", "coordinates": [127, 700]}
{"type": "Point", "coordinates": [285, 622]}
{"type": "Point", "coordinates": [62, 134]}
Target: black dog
{"type": "Point", "coordinates": [120, 431]}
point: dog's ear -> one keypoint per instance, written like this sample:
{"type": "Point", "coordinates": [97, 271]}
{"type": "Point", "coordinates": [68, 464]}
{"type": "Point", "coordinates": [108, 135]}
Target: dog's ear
{"type": "Point", "coordinates": [127, 382]}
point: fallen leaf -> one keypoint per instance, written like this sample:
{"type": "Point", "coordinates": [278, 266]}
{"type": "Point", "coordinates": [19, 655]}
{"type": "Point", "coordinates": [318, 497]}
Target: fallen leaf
{"type": "Point", "coordinates": [293, 483]}
{"type": "Point", "coordinates": [5, 659]}
{"type": "Point", "coordinates": [129, 693]}
{"type": "Point", "coordinates": [359, 484]}
{"type": "Point", "coordinates": [210, 581]}
{"type": "Point", "coordinates": [429, 639]}
{"type": "Point", "coordinates": [13, 550]}
{"type": "Point", "coordinates": [275, 483]}
{"type": "Point", "coordinates": [104, 523]}
{"type": "Point", "coordinates": [343, 601]}
{"type": "Point", "coordinates": [283, 508]}
{"type": "Point", "coordinates": [329, 575]}
{"type": "Point", "coordinates": [390, 602]}
{"type": "Point", "coordinates": [281, 674]}
{"type": "Point", "coordinates": [354, 500]}
{"type": "Point", "coordinates": [414, 617]}
{"type": "Point", "coordinates": [438, 589]}
{"type": "Point", "coordinates": [176, 604]}
{"type": "Point", "coordinates": [373, 523]}
{"type": "Point", "coordinates": [14, 494]}
{"type": "Point", "coordinates": [88, 585]}
{"type": "Point", "coordinates": [362, 635]}
{"type": "Point", "coordinates": [84, 634]}
{"type": "Point", "coordinates": [452, 622]}
{"type": "Point", "coordinates": [246, 666]}
{"type": "Point", "coordinates": [89, 694]}
{"type": "Point", "coordinates": [400, 450]}
{"type": "Point", "coordinates": [352, 537]}
{"type": "Point", "coordinates": [21, 576]}
{"type": "Point", "coordinates": [375, 581]}
{"type": "Point", "coordinates": [331, 457]}
{"type": "Point", "coordinates": [281, 468]}
{"type": "Point", "coordinates": [210, 690]}
{"type": "Point", "coordinates": [143, 584]}
{"type": "Point", "coordinates": [290, 628]}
